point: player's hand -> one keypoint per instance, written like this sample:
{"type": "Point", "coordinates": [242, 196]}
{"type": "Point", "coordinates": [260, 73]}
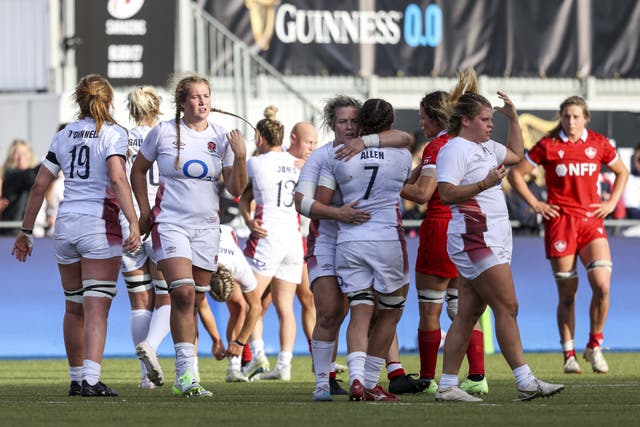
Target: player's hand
{"type": "Point", "coordinates": [145, 224]}
{"type": "Point", "coordinates": [255, 225]}
{"type": "Point", "coordinates": [350, 215]}
{"type": "Point", "coordinates": [602, 210]}
{"type": "Point", "coordinates": [349, 149]}
{"type": "Point", "coordinates": [546, 210]}
{"type": "Point", "coordinates": [234, 349]}
{"type": "Point", "coordinates": [132, 242]}
{"type": "Point", "coordinates": [508, 109]}
{"type": "Point", "coordinates": [236, 142]}
{"type": "Point", "coordinates": [22, 247]}
{"type": "Point", "coordinates": [495, 176]}
{"type": "Point", "coordinates": [217, 349]}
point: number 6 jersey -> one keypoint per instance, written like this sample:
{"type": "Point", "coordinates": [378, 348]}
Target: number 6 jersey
{"type": "Point", "coordinates": [81, 153]}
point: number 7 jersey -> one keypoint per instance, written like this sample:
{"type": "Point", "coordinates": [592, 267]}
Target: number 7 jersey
{"type": "Point", "coordinates": [374, 179]}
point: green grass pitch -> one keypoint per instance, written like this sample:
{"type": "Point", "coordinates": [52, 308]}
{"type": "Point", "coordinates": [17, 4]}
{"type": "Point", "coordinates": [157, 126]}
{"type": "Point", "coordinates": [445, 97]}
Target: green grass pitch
{"type": "Point", "coordinates": [34, 392]}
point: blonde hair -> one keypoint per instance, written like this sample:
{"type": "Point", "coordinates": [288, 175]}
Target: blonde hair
{"type": "Point", "coordinates": [464, 101]}
{"type": "Point", "coordinates": [143, 104]}
{"type": "Point", "coordinates": [270, 128]}
{"type": "Point", "coordinates": [94, 96]}
{"type": "Point", "coordinates": [332, 106]}
{"type": "Point", "coordinates": [11, 151]}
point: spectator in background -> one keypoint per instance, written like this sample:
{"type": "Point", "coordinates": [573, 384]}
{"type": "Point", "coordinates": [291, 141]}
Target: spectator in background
{"type": "Point", "coordinates": [572, 156]}
{"type": "Point", "coordinates": [529, 221]}
{"type": "Point", "coordinates": [17, 177]}
{"type": "Point", "coordinates": [631, 194]}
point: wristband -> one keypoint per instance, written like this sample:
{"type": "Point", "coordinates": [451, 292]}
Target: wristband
{"type": "Point", "coordinates": [27, 231]}
{"type": "Point", "coordinates": [481, 186]}
{"type": "Point", "coordinates": [371, 141]}
{"type": "Point", "coordinates": [240, 343]}
{"type": "Point", "coordinates": [305, 206]}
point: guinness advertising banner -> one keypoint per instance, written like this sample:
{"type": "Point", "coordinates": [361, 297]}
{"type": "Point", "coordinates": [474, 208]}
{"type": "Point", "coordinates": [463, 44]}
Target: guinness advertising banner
{"type": "Point", "coordinates": [130, 42]}
{"type": "Point", "coordinates": [544, 38]}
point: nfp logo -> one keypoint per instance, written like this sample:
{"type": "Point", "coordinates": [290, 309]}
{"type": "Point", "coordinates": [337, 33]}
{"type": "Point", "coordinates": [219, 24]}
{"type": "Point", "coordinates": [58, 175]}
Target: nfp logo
{"type": "Point", "coordinates": [576, 169]}
{"type": "Point", "coordinates": [422, 29]}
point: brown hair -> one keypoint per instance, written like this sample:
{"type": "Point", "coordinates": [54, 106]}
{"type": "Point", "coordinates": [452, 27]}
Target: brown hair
{"type": "Point", "coordinates": [270, 128]}
{"type": "Point", "coordinates": [331, 108]}
{"type": "Point", "coordinates": [94, 96]}
{"type": "Point", "coordinates": [434, 105]}
{"type": "Point", "coordinates": [465, 101]}
{"type": "Point", "coordinates": [180, 95]}
{"type": "Point", "coordinates": [143, 104]}
{"type": "Point", "coordinates": [572, 100]}
{"type": "Point", "coordinates": [376, 115]}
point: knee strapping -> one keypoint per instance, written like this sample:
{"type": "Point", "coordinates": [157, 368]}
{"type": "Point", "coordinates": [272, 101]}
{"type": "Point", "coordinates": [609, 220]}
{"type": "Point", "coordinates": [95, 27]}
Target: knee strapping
{"type": "Point", "coordinates": [361, 297]}
{"type": "Point", "coordinates": [160, 286]}
{"type": "Point", "coordinates": [600, 264]}
{"type": "Point", "coordinates": [429, 295]}
{"type": "Point", "coordinates": [390, 302]}
{"type": "Point", "coordinates": [203, 288]}
{"type": "Point", "coordinates": [181, 282]}
{"type": "Point", "coordinates": [565, 275]}
{"type": "Point", "coordinates": [99, 288]}
{"type": "Point", "coordinates": [138, 283]}
{"type": "Point", "coordinates": [452, 303]}
{"type": "Point", "coordinates": [74, 296]}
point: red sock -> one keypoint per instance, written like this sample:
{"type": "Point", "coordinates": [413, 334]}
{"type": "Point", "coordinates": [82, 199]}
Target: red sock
{"type": "Point", "coordinates": [246, 353]}
{"type": "Point", "coordinates": [569, 353]}
{"type": "Point", "coordinates": [332, 374]}
{"type": "Point", "coordinates": [428, 345]}
{"type": "Point", "coordinates": [595, 340]}
{"type": "Point", "coordinates": [475, 353]}
{"type": "Point", "coordinates": [395, 369]}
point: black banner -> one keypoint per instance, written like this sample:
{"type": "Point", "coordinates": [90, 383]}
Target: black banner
{"type": "Point", "coordinates": [130, 42]}
{"type": "Point", "coordinates": [545, 38]}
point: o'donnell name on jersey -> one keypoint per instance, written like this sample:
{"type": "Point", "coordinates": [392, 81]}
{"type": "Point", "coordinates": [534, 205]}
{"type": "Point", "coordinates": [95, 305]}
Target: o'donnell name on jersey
{"type": "Point", "coordinates": [372, 154]}
{"type": "Point", "coordinates": [84, 134]}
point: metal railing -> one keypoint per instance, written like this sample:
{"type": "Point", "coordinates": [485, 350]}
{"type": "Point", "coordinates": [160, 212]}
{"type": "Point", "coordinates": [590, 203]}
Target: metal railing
{"type": "Point", "coordinates": [209, 48]}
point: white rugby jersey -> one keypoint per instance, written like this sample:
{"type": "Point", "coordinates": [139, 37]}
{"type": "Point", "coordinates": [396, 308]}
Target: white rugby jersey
{"type": "Point", "coordinates": [136, 137]}
{"type": "Point", "coordinates": [188, 196]}
{"type": "Point", "coordinates": [273, 176]}
{"type": "Point", "coordinates": [323, 233]}
{"type": "Point", "coordinates": [373, 178]}
{"type": "Point", "coordinates": [81, 153]}
{"type": "Point", "coordinates": [463, 162]}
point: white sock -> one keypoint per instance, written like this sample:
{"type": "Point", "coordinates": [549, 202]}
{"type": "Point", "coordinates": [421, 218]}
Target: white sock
{"type": "Point", "coordinates": [140, 320]}
{"type": "Point", "coordinates": [568, 345]}
{"type": "Point", "coordinates": [322, 351]}
{"type": "Point", "coordinates": [355, 361]}
{"type": "Point", "coordinates": [284, 359]}
{"type": "Point", "coordinates": [257, 348]}
{"type": "Point", "coordinates": [184, 358]}
{"type": "Point", "coordinates": [523, 375]}
{"type": "Point", "coordinates": [91, 371]}
{"type": "Point", "coordinates": [372, 368]}
{"type": "Point", "coordinates": [448, 380]}
{"type": "Point", "coordinates": [235, 363]}
{"type": "Point", "coordinates": [75, 374]}
{"type": "Point", "coordinates": [159, 326]}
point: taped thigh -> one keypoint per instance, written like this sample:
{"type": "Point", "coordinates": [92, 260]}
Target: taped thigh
{"type": "Point", "coordinates": [429, 295]}
{"type": "Point", "coordinates": [391, 302]}
{"type": "Point", "coordinates": [565, 275]}
{"type": "Point", "coordinates": [361, 297]}
{"type": "Point", "coordinates": [138, 283]}
{"type": "Point", "coordinates": [600, 264]}
{"type": "Point", "coordinates": [99, 288]}
{"type": "Point", "coordinates": [452, 303]}
{"type": "Point", "coordinates": [74, 296]}
{"type": "Point", "coordinates": [181, 282]}
{"type": "Point", "coordinates": [160, 286]}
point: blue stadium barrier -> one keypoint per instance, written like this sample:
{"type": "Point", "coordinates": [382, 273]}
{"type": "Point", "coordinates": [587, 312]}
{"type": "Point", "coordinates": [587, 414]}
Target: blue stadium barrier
{"type": "Point", "coordinates": [32, 306]}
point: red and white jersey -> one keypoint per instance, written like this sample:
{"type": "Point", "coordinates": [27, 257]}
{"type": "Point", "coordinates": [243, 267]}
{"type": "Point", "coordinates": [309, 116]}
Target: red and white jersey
{"type": "Point", "coordinates": [374, 179]}
{"type": "Point", "coordinates": [323, 233]}
{"type": "Point", "coordinates": [463, 162]}
{"type": "Point", "coordinates": [136, 137]}
{"type": "Point", "coordinates": [572, 169]}
{"type": "Point", "coordinates": [188, 196]}
{"type": "Point", "coordinates": [435, 207]}
{"type": "Point", "coordinates": [81, 153]}
{"type": "Point", "coordinates": [273, 176]}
